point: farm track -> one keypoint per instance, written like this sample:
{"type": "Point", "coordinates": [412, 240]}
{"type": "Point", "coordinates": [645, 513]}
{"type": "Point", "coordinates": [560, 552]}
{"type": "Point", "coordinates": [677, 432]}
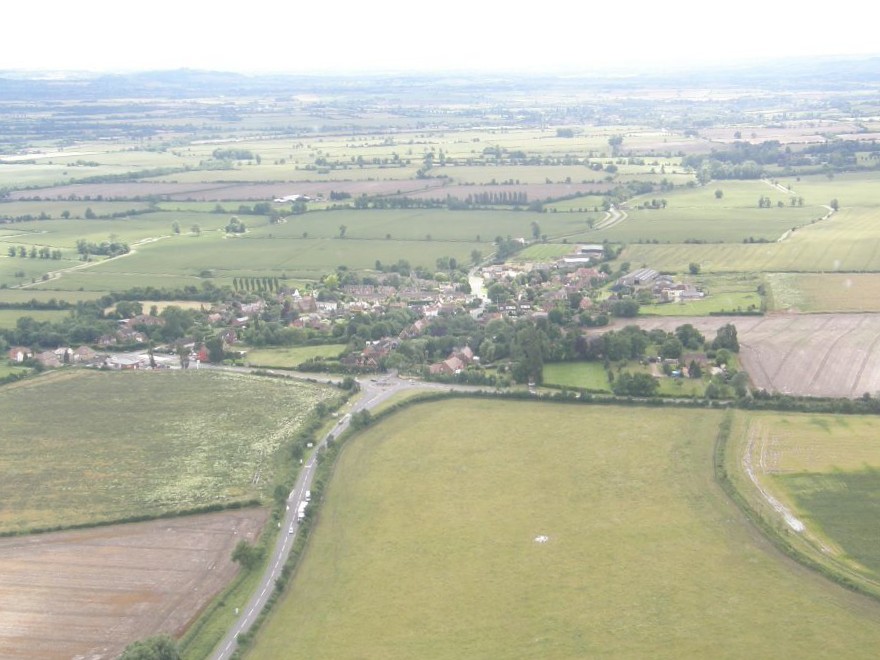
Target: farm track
{"type": "Point", "coordinates": [792, 348]}
{"type": "Point", "coordinates": [821, 368]}
{"type": "Point", "coordinates": [864, 364]}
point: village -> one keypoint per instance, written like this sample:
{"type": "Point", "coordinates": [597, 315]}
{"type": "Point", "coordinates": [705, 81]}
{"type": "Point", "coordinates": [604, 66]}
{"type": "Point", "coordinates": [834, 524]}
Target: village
{"type": "Point", "coordinates": [372, 314]}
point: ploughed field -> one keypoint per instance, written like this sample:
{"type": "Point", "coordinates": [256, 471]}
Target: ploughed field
{"type": "Point", "coordinates": [835, 355]}
{"type": "Point", "coordinates": [89, 593]}
{"type": "Point", "coordinates": [475, 528]}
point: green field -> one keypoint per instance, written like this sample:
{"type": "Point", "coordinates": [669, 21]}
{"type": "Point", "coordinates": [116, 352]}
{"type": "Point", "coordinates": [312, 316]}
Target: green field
{"type": "Point", "coordinates": [426, 547]}
{"type": "Point", "coordinates": [579, 375]}
{"type": "Point", "coordinates": [135, 443]}
{"type": "Point", "coordinates": [9, 317]}
{"type": "Point", "coordinates": [292, 356]}
{"type": "Point", "coordinates": [826, 470]}
{"type": "Point", "coordinates": [848, 242]}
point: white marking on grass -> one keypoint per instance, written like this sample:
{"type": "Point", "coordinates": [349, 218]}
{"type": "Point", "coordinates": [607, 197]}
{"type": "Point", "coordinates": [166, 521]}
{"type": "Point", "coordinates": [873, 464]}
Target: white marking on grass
{"type": "Point", "coordinates": [778, 506]}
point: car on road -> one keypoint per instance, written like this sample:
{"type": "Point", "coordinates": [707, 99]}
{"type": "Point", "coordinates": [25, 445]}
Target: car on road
{"type": "Point", "coordinates": [290, 531]}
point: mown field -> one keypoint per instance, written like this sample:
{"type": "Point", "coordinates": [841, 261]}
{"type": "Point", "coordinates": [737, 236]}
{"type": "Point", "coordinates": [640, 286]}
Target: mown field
{"type": "Point", "coordinates": [829, 292]}
{"type": "Point", "coordinates": [847, 242]}
{"type": "Point", "coordinates": [84, 446]}
{"type": "Point", "coordinates": [428, 545]}
{"type": "Point", "coordinates": [825, 469]}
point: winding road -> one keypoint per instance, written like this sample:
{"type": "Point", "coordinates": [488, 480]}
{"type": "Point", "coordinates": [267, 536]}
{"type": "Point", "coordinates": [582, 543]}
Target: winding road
{"type": "Point", "coordinates": [374, 391]}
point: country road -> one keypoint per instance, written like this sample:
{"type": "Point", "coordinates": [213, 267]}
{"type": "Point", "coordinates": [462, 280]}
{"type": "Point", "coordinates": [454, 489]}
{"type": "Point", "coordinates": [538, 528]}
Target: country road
{"type": "Point", "coordinates": [374, 391]}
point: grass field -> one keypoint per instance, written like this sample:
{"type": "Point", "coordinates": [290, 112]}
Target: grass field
{"type": "Point", "coordinates": [581, 375]}
{"type": "Point", "coordinates": [291, 356]}
{"type": "Point", "coordinates": [84, 446]}
{"type": "Point", "coordinates": [848, 242]}
{"type": "Point", "coordinates": [9, 317]}
{"type": "Point", "coordinates": [426, 546]}
{"type": "Point", "coordinates": [826, 470]}
{"type": "Point", "coordinates": [724, 293]}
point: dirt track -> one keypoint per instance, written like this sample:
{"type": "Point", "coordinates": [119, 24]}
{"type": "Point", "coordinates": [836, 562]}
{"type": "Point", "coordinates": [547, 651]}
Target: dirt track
{"type": "Point", "coordinates": [87, 594]}
{"type": "Point", "coordinates": [808, 354]}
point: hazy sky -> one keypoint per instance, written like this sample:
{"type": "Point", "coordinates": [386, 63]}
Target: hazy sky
{"type": "Point", "coordinates": [392, 35]}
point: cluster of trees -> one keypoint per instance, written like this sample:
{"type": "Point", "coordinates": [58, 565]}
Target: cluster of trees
{"type": "Point", "coordinates": [504, 197]}
{"type": "Point", "coordinates": [234, 154]}
{"type": "Point", "coordinates": [235, 226]}
{"type": "Point", "coordinates": [44, 252]}
{"type": "Point", "coordinates": [256, 284]}
{"type": "Point", "coordinates": [111, 248]}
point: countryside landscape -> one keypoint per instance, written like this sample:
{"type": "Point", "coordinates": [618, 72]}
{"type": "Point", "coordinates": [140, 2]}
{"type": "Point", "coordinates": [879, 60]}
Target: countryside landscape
{"type": "Point", "coordinates": [440, 365]}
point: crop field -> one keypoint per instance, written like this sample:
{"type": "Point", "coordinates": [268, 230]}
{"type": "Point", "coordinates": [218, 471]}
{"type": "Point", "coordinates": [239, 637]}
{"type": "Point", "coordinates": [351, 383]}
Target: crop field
{"type": "Point", "coordinates": [810, 292]}
{"type": "Point", "coordinates": [848, 242]}
{"type": "Point", "coordinates": [825, 471]}
{"type": "Point", "coordinates": [90, 593]}
{"type": "Point", "coordinates": [113, 445]}
{"type": "Point", "coordinates": [834, 355]}
{"type": "Point", "coordinates": [565, 531]}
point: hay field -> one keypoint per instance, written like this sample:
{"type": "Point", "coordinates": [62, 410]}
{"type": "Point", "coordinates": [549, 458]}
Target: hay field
{"type": "Point", "coordinates": [85, 446]}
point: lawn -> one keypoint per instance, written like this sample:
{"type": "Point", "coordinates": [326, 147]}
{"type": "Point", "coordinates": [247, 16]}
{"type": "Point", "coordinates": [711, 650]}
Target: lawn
{"type": "Point", "coordinates": [9, 317]}
{"type": "Point", "coordinates": [429, 544]}
{"type": "Point", "coordinates": [84, 446]}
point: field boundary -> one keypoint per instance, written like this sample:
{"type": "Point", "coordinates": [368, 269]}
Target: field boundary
{"type": "Point", "coordinates": [779, 536]}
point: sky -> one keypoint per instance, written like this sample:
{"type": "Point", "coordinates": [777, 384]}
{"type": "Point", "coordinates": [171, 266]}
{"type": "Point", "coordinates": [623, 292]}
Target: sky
{"type": "Point", "coordinates": [259, 36]}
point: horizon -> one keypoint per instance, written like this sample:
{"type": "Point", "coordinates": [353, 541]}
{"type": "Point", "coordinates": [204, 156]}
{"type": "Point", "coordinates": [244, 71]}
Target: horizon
{"type": "Point", "coordinates": [382, 38]}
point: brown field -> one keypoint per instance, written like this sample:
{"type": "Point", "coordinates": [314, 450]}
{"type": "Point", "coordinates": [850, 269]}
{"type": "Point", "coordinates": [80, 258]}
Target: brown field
{"type": "Point", "coordinates": [813, 355]}
{"type": "Point", "coordinates": [220, 192]}
{"type": "Point", "coordinates": [90, 593]}
{"type": "Point", "coordinates": [535, 191]}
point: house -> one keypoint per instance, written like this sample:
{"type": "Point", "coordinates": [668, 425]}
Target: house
{"type": "Point", "coordinates": [48, 359]}
{"type": "Point", "coordinates": [83, 354]}
{"type": "Point", "coordinates": [19, 354]}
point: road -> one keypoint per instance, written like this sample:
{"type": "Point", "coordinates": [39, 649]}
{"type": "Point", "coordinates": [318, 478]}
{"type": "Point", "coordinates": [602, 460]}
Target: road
{"type": "Point", "coordinates": [374, 391]}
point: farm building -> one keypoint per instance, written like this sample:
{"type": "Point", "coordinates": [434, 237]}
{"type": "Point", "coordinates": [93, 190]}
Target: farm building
{"type": "Point", "coordinates": [638, 277]}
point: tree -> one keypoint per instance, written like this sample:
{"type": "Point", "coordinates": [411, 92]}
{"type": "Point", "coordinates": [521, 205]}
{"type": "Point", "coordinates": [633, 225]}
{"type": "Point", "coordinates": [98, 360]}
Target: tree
{"type": "Point", "coordinates": [175, 227]}
{"type": "Point", "coordinates": [694, 268]}
{"type": "Point", "coordinates": [90, 214]}
{"type": "Point", "coordinates": [834, 204]}
{"type": "Point", "coordinates": [476, 257]}
{"type": "Point", "coordinates": [195, 229]}
{"type": "Point", "coordinates": [161, 647]}
{"type": "Point", "coordinates": [725, 337]}
{"type": "Point", "coordinates": [342, 230]}
{"type": "Point", "coordinates": [671, 349]}
{"type": "Point", "coordinates": [536, 230]}
{"type": "Point", "coordinates": [215, 350]}
{"type": "Point", "coordinates": [247, 555]}
{"type": "Point", "coordinates": [719, 193]}
{"type": "Point", "coordinates": [694, 369]}
{"type": "Point", "coordinates": [689, 336]}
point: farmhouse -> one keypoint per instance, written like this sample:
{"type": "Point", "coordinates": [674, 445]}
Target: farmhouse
{"type": "Point", "coordinates": [19, 354]}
